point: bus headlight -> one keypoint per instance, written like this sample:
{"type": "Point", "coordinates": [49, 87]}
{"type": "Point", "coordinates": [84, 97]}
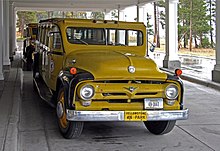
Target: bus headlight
{"type": "Point", "coordinates": [171, 92]}
{"type": "Point", "coordinates": [87, 92]}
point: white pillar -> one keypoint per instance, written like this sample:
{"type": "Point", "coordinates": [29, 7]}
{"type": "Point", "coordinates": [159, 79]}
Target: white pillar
{"type": "Point", "coordinates": [12, 30]}
{"type": "Point", "coordinates": [1, 42]}
{"type": "Point", "coordinates": [216, 71]}
{"type": "Point", "coordinates": [6, 61]}
{"type": "Point", "coordinates": [171, 59]}
{"type": "Point", "coordinates": [15, 31]}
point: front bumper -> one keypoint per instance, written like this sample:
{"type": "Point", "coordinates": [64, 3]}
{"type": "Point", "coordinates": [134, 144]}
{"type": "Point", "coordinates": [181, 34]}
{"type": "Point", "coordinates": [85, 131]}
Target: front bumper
{"type": "Point", "coordinates": [159, 115]}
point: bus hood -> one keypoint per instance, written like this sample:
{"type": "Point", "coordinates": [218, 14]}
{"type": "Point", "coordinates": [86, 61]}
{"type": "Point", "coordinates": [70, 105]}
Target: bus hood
{"type": "Point", "coordinates": [115, 65]}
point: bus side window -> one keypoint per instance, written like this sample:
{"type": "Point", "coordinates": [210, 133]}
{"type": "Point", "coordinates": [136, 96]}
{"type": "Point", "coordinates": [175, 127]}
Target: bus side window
{"type": "Point", "coordinates": [56, 41]}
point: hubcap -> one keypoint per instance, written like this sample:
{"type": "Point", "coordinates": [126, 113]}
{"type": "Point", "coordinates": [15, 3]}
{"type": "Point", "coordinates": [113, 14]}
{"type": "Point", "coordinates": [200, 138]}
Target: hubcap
{"type": "Point", "coordinates": [61, 114]}
{"type": "Point", "coordinates": [59, 109]}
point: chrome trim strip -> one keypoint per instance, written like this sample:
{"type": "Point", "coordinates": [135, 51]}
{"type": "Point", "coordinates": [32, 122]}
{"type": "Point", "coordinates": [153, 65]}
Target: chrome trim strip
{"type": "Point", "coordinates": [159, 115]}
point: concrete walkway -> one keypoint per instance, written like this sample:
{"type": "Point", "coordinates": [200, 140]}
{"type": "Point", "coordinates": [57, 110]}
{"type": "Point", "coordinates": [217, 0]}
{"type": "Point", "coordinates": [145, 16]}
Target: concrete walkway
{"type": "Point", "coordinates": [9, 108]}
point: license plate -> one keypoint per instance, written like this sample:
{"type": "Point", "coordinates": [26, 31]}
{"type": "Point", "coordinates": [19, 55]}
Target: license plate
{"type": "Point", "coordinates": [153, 103]}
{"type": "Point", "coordinates": [135, 116]}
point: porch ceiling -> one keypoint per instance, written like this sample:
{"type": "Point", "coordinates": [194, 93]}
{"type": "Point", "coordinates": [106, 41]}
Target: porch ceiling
{"type": "Point", "coordinates": [76, 5]}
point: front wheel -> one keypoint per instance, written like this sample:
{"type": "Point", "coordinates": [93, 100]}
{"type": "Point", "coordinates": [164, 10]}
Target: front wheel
{"type": "Point", "coordinates": [67, 128]}
{"type": "Point", "coordinates": [160, 127]}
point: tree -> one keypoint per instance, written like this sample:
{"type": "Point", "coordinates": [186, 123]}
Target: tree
{"type": "Point", "coordinates": [190, 25]}
{"type": "Point", "coordinates": [200, 20]}
{"type": "Point", "coordinates": [159, 17]}
{"type": "Point", "coordinates": [211, 4]}
{"type": "Point", "coordinates": [81, 15]}
{"type": "Point", "coordinates": [41, 15]}
{"type": "Point", "coordinates": [114, 14]}
{"type": "Point", "coordinates": [162, 17]}
{"type": "Point", "coordinates": [69, 14]}
{"type": "Point", "coordinates": [98, 15]}
{"type": "Point", "coordinates": [183, 22]}
{"type": "Point", "coordinates": [150, 31]}
{"type": "Point", "coordinates": [25, 17]}
{"type": "Point", "coordinates": [156, 29]}
{"type": "Point", "coordinates": [193, 22]}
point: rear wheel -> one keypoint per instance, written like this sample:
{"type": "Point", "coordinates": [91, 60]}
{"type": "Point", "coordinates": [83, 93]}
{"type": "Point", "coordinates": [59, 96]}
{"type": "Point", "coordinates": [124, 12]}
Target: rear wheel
{"type": "Point", "coordinates": [67, 128]}
{"type": "Point", "coordinates": [160, 127]}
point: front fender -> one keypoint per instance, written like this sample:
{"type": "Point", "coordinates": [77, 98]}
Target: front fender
{"type": "Point", "coordinates": [178, 79]}
{"type": "Point", "coordinates": [63, 80]}
{"type": "Point", "coordinates": [78, 78]}
{"type": "Point", "coordinates": [69, 82]}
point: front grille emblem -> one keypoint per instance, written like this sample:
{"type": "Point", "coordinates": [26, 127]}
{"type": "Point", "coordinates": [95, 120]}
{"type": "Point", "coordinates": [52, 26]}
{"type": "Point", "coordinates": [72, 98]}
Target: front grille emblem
{"type": "Point", "coordinates": [131, 89]}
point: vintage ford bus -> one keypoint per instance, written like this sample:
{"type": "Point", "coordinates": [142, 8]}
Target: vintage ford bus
{"type": "Point", "coordinates": [98, 70]}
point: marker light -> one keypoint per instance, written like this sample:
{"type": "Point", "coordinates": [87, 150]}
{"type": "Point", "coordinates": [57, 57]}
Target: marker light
{"type": "Point", "coordinates": [178, 72]}
{"type": "Point", "coordinates": [73, 70]}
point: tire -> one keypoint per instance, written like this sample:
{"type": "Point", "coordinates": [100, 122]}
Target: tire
{"type": "Point", "coordinates": [160, 127]}
{"type": "Point", "coordinates": [67, 128]}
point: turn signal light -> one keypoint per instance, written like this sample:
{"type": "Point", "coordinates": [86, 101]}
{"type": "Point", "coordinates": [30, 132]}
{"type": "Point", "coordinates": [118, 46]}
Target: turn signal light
{"type": "Point", "coordinates": [73, 70]}
{"type": "Point", "coordinates": [178, 72]}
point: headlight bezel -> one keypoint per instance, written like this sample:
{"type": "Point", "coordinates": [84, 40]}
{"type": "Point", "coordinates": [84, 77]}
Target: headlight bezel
{"type": "Point", "coordinates": [172, 86]}
{"type": "Point", "coordinates": [89, 87]}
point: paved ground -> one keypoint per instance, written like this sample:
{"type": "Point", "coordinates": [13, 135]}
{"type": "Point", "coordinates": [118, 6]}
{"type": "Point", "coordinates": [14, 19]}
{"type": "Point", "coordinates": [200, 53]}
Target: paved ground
{"type": "Point", "coordinates": [28, 124]}
{"type": "Point", "coordinates": [38, 129]}
{"type": "Point", "coordinates": [10, 99]}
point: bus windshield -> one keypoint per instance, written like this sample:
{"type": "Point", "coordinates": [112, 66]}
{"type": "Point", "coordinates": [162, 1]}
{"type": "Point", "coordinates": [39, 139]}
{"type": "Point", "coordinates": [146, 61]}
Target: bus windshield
{"type": "Point", "coordinates": [103, 36]}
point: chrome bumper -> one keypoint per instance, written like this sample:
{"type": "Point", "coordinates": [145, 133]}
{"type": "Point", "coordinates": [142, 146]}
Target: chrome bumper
{"type": "Point", "coordinates": [73, 115]}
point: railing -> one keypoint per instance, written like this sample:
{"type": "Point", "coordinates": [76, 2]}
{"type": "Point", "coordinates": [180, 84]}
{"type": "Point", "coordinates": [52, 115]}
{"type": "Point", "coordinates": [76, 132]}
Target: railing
{"type": "Point", "coordinates": [198, 66]}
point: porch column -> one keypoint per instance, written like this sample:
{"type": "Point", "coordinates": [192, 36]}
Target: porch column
{"type": "Point", "coordinates": [6, 60]}
{"type": "Point", "coordinates": [12, 30]}
{"type": "Point", "coordinates": [1, 44]}
{"type": "Point", "coordinates": [171, 60]}
{"type": "Point", "coordinates": [216, 71]}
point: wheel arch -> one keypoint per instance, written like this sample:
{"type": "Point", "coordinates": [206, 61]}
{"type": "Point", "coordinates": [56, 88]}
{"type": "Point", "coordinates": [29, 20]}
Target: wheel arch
{"type": "Point", "coordinates": [69, 82]}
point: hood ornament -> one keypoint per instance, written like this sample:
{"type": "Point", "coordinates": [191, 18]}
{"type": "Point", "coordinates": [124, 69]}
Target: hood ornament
{"type": "Point", "coordinates": [131, 89]}
{"type": "Point", "coordinates": [131, 69]}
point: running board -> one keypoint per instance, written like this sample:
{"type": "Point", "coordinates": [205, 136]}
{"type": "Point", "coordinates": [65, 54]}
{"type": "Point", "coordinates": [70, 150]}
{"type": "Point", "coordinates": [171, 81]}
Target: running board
{"type": "Point", "coordinates": [43, 91]}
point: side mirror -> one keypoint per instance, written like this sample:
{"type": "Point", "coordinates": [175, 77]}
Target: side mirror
{"type": "Point", "coordinates": [152, 47]}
